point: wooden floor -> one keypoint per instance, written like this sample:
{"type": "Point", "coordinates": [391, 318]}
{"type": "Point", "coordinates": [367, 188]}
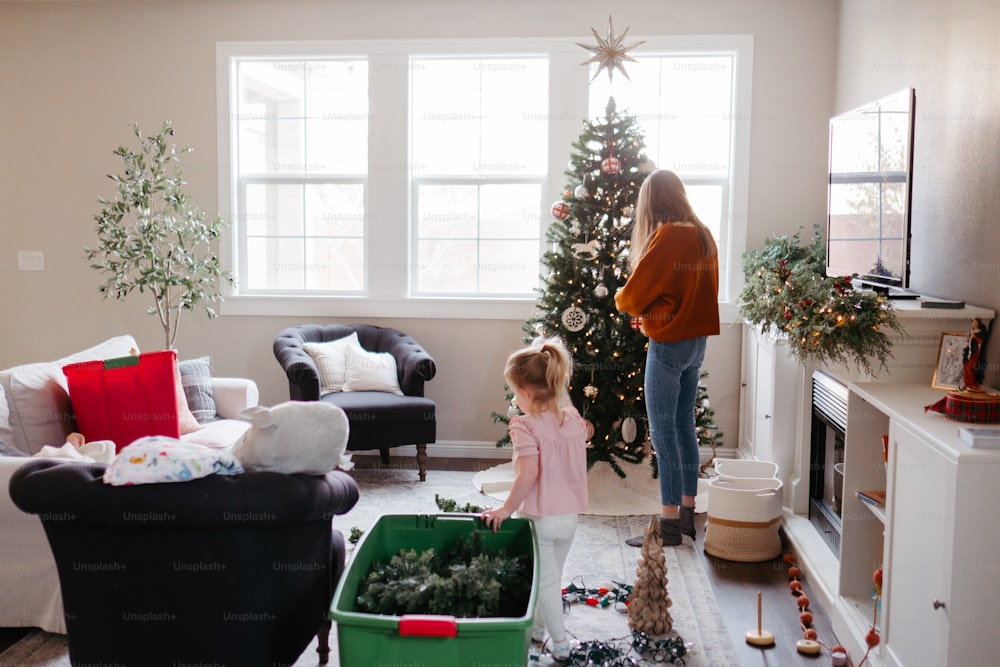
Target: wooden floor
{"type": "Point", "coordinates": [735, 586]}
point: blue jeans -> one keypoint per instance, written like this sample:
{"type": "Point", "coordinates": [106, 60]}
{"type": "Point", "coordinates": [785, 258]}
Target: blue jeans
{"type": "Point", "coordinates": [671, 387]}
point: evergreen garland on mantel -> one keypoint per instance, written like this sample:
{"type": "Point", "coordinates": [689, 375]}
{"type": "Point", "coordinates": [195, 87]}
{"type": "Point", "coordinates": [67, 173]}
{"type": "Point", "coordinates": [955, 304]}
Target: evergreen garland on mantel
{"type": "Point", "coordinates": [824, 318]}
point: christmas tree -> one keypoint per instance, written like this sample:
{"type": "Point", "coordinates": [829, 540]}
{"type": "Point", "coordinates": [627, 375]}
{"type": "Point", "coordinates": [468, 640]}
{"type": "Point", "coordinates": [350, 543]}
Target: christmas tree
{"type": "Point", "coordinates": [704, 422]}
{"type": "Point", "coordinates": [586, 265]}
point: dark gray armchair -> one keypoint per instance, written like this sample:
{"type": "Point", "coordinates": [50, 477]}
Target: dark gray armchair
{"type": "Point", "coordinates": [378, 420]}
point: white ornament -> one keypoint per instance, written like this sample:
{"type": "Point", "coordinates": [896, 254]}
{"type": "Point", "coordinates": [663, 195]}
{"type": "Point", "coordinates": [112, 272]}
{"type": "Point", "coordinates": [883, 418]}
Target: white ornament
{"type": "Point", "coordinates": [646, 166]}
{"type": "Point", "coordinates": [574, 319]}
{"type": "Point", "coordinates": [589, 249]}
{"type": "Point", "coordinates": [581, 192]}
{"type": "Point", "coordinates": [601, 291]}
{"type": "Point", "coordinates": [629, 429]}
{"type": "Point", "coordinates": [590, 391]}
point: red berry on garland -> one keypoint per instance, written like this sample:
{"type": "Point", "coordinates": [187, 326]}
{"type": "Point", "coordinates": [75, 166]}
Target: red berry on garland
{"type": "Point", "coordinates": [872, 638]}
{"type": "Point", "coordinates": [806, 618]}
{"type": "Point", "coordinates": [810, 634]}
{"type": "Point", "coordinates": [793, 572]}
{"type": "Point", "coordinates": [877, 577]}
{"type": "Point", "coordinates": [802, 601]}
{"type": "Point", "coordinates": [788, 558]}
{"type": "Point", "coordinates": [795, 586]}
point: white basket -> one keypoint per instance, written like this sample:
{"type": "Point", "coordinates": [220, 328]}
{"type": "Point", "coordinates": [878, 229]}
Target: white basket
{"type": "Point", "coordinates": [744, 468]}
{"type": "Point", "coordinates": [744, 515]}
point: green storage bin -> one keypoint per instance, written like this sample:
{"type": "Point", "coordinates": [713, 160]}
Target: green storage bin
{"type": "Point", "coordinates": [375, 639]}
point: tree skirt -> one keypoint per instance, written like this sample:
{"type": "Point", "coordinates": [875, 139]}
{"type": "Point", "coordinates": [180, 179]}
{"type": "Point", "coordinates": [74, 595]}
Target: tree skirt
{"type": "Point", "coordinates": [608, 494]}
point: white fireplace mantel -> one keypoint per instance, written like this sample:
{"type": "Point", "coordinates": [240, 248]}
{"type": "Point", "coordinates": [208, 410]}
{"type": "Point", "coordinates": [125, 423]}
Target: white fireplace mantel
{"type": "Point", "coordinates": [776, 423]}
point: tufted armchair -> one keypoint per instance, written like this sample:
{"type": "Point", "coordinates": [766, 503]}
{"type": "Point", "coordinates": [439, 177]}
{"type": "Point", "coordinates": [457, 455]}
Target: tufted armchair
{"type": "Point", "coordinates": [378, 420]}
{"type": "Point", "coordinates": [236, 570]}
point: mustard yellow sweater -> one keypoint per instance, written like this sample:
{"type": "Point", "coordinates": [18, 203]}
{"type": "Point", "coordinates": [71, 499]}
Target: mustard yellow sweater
{"type": "Point", "coordinates": [674, 288]}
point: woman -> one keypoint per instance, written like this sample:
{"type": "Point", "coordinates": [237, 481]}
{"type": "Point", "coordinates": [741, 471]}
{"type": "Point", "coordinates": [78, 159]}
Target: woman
{"type": "Point", "coordinates": [674, 288]}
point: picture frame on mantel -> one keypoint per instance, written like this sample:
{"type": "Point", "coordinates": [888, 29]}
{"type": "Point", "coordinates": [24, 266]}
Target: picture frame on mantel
{"type": "Point", "coordinates": [948, 370]}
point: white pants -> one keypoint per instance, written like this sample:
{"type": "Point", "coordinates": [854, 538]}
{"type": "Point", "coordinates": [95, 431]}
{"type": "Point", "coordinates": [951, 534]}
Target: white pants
{"type": "Point", "coordinates": [555, 535]}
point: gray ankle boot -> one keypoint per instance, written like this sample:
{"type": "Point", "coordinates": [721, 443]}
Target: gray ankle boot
{"type": "Point", "coordinates": [687, 522]}
{"type": "Point", "coordinates": [670, 532]}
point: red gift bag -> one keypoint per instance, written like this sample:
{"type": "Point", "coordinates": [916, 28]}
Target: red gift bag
{"type": "Point", "coordinates": [126, 398]}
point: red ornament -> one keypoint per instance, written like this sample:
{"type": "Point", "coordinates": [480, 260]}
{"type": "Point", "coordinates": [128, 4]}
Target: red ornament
{"type": "Point", "coordinates": [872, 638]}
{"type": "Point", "coordinates": [636, 323]}
{"type": "Point", "coordinates": [611, 166]}
{"type": "Point", "coordinates": [560, 210]}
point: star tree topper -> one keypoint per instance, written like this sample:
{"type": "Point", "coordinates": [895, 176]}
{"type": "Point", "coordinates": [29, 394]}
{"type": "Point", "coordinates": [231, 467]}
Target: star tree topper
{"type": "Point", "coordinates": [609, 52]}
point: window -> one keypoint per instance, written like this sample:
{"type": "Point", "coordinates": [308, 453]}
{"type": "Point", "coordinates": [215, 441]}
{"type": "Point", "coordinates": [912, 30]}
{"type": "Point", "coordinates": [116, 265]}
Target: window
{"type": "Point", "coordinates": [478, 132]}
{"type": "Point", "coordinates": [686, 106]}
{"type": "Point", "coordinates": [415, 177]}
{"type": "Point", "coordinates": [301, 129]}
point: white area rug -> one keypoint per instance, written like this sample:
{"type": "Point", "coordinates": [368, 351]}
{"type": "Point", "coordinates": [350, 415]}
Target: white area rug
{"type": "Point", "coordinates": [638, 493]}
{"type": "Point", "coordinates": [598, 556]}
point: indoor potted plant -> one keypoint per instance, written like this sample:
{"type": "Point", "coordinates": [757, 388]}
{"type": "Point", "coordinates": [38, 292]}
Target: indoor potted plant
{"type": "Point", "coordinates": [152, 238]}
{"type": "Point", "coordinates": [824, 319]}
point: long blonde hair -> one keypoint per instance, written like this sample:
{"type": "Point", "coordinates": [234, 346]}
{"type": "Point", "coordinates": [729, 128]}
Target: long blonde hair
{"type": "Point", "coordinates": [545, 368]}
{"type": "Point", "coordinates": [662, 198]}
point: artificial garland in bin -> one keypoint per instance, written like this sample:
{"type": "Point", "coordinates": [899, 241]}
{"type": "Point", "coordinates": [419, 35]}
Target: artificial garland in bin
{"type": "Point", "coordinates": [468, 580]}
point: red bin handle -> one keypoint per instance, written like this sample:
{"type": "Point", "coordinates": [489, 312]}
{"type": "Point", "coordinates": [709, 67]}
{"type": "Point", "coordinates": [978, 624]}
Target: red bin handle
{"type": "Point", "coordinates": [427, 625]}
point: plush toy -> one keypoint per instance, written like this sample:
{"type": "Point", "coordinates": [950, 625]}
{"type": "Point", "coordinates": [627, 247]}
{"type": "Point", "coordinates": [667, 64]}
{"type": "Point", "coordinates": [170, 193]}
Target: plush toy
{"type": "Point", "coordinates": [296, 436]}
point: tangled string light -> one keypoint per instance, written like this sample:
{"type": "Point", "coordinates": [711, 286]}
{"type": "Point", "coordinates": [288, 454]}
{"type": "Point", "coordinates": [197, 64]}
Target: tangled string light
{"type": "Point", "coordinates": [618, 652]}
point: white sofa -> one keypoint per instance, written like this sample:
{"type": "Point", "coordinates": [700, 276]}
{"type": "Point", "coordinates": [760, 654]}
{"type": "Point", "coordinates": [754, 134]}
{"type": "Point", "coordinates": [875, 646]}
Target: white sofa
{"type": "Point", "coordinates": [35, 411]}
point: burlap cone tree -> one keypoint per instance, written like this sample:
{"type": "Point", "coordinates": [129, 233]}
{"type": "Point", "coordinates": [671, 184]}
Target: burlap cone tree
{"type": "Point", "coordinates": [649, 604]}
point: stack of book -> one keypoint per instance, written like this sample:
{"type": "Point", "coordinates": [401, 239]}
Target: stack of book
{"type": "Point", "coordinates": [980, 436]}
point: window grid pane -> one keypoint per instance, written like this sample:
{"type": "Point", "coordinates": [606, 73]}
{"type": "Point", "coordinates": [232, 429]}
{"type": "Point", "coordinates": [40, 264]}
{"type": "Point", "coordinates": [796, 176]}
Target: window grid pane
{"type": "Point", "coordinates": [301, 133]}
{"type": "Point", "coordinates": [479, 141]}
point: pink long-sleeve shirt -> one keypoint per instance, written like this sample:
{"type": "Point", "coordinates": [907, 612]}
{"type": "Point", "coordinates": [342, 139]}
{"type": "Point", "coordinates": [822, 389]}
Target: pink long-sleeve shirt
{"type": "Point", "coordinates": [561, 487]}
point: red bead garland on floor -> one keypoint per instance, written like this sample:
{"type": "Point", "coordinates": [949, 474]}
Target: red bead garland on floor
{"type": "Point", "coordinates": [809, 633]}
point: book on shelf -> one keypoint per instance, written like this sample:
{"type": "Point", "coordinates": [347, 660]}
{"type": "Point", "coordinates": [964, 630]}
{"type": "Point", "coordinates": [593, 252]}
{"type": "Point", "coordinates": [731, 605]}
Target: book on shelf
{"type": "Point", "coordinates": [874, 497]}
{"type": "Point", "coordinates": [980, 436]}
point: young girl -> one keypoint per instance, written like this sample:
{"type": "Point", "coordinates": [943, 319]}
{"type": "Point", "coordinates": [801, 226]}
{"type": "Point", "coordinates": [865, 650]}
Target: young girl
{"type": "Point", "coordinates": [674, 287]}
{"type": "Point", "coordinates": [550, 468]}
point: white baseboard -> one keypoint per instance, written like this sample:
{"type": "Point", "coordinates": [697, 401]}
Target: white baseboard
{"type": "Point", "coordinates": [463, 449]}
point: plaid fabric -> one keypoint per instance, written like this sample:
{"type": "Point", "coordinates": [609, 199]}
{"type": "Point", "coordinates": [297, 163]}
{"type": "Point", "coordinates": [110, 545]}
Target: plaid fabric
{"type": "Point", "coordinates": [977, 408]}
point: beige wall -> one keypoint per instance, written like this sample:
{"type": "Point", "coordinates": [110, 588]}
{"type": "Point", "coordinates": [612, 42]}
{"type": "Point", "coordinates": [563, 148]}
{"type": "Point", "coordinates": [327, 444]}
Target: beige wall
{"type": "Point", "coordinates": [74, 75]}
{"type": "Point", "coordinates": [948, 53]}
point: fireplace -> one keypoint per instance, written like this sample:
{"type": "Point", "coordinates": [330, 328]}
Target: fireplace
{"type": "Point", "coordinates": [826, 458]}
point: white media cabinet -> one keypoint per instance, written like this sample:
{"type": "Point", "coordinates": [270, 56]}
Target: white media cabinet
{"type": "Point", "coordinates": [934, 539]}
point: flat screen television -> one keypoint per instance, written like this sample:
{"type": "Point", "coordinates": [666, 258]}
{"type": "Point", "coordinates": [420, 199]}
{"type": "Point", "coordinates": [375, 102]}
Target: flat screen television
{"type": "Point", "coordinates": [868, 198]}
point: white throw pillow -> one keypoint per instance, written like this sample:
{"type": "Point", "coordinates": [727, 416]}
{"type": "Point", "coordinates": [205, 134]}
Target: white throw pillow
{"type": "Point", "coordinates": [371, 371]}
{"type": "Point", "coordinates": [331, 361]}
{"type": "Point", "coordinates": [38, 410]}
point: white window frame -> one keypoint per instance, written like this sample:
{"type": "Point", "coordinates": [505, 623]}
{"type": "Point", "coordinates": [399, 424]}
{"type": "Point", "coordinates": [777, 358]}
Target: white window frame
{"type": "Point", "coordinates": [388, 229]}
